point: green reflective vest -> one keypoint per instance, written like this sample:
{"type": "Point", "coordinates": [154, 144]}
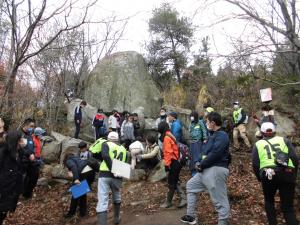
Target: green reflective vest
{"type": "Point", "coordinates": [97, 146]}
{"type": "Point", "coordinates": [267, 154]}
{"type": "Point", "coordinates": [115, 152]}
{"type": "Point", "coordinates": [237, 114]}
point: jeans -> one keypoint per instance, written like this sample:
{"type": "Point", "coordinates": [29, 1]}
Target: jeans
{"type": "Point", "coordinates": [105, 185]}
{"type": "Point", "coordinates": [285, 183]}
{"type": "Point", "coordinates": [213, 180]}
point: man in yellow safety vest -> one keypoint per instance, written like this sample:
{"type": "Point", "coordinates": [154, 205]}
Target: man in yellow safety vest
{"type": "Point", "coordinates": [107, 181]}
{"type": "Point", "coordinates": [239, 119]}
{"type": "Point", "coordinates": [275, 165]}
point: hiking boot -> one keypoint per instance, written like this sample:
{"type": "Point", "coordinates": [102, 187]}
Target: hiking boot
{"type": "Point", "coordinates": [68, 215]}
{"type": "Point", "coordinates": [168, 202]}
{"type": "Point", "coordinates": [188, 219]}
{"type": "Point", "coordinates": [117, 208]}
{"type": "Point", "coordinates": [102, 218]}
{"type": "Point", "coordinates": [182, 197]}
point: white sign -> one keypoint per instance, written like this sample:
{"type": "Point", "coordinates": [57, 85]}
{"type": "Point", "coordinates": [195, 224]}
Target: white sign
{"type": "Point", "coordinates": [121, 169]}
{"type": "Point", "coordinates": [266, 94]}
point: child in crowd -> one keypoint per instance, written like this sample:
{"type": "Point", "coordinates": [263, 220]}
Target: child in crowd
{"type": "Point", "coordinates": [151, 157]}
{"type": "Point", "coordinates": [84, 153]}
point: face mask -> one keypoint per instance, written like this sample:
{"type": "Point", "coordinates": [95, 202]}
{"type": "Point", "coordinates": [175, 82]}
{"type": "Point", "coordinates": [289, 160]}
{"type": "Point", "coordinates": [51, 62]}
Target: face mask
{"type": "Point", "coordinates": [162, 114]}
{"type": "Point", "coordinates": [192, 118]}
{"type": "Point", "coordinates": [235, 106]}
{"type": "Point", "coordinates": [265, 113]}
{"type": "Point", "coordinates": [30, 130]}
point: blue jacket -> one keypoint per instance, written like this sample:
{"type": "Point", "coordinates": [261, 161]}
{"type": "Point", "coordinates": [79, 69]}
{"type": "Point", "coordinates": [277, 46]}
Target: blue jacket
{"type": "Point", "coordinates": [78, 114]}
{"type": "Point", "coordinates": [76, 165]}
{"type": "Point", "coordinates": [216, 151]}
{"type": "Point", "coordinates": [176, 129]}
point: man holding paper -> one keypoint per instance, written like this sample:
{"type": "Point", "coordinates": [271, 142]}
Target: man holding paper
{"type": "Point", "coordinates": [108, 181]}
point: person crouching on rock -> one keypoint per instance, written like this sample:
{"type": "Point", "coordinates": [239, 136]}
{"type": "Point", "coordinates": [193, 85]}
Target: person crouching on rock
{"type": "Point", "coordinates": [79, 171]}
{"type": "Point", "coordinates": [172, 165]}
{"type": "Point", "coordinates": [151, 157]}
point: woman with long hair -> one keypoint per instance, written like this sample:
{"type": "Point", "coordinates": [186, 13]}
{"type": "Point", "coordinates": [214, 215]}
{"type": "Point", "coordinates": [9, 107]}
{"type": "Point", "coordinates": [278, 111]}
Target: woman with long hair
{"type": "Point", "coordinates": [11, 171]}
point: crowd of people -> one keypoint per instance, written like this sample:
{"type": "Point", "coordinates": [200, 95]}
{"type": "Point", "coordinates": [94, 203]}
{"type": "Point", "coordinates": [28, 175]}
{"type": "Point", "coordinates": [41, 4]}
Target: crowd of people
{"type": "Point", "coordinates": [118, 136]}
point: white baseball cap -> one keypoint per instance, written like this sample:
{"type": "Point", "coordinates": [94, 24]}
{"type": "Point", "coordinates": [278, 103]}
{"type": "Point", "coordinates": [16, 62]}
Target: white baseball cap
{"type": "Point", "coordinates": [267, 127]}
{"type": "Point", "coordinates": [113, 136]}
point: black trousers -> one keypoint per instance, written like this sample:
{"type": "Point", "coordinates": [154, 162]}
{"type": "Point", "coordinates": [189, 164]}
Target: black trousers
{"type": "Point", "coordinates": [173, 177]}
{"type": "Point", "coordinates": [77, 130]}
{"type": "Point", "coordinates": [2, 217]}
{"type": "Point", "coordinates": [82, 200]}
{"type": "Point", "coordinates": [285, 183]}
{"type": "Point", "coordinates": [30, 180]}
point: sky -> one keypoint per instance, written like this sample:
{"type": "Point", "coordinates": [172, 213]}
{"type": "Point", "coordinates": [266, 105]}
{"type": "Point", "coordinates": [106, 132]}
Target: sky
{"type": "Point", "coordinates": [204, 15]}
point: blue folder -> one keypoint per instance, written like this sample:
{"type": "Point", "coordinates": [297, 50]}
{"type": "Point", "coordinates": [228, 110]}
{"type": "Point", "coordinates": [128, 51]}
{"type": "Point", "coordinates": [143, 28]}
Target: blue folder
{"type": "Point", "coordinates": [81, 189]}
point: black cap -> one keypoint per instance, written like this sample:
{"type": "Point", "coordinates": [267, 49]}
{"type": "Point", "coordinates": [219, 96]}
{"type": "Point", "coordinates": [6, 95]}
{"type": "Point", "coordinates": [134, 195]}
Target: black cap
{"type": "Point", "coordinates": [82, 144]}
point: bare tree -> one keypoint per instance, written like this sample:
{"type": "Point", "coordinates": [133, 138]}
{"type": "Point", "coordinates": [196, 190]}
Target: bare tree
{"type": "Point", "coordinates": [278, 26]}
{"type": "Point", "coordinates": [27, 23]}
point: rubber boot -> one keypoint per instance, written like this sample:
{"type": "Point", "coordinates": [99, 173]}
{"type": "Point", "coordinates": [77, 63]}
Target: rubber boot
{"type": "Point", "coordinates": [223, 222]}
{"type": "Point", "coordinates": [117, 217]}
{"type": "Point", "coordinates": [168, 202]}
{"type": "Point", "coordinates": [102, 218]}
{"type": "Point", "coordinates": [182, 197]}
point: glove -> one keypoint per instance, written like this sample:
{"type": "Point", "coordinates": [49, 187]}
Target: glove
{"type": "Point", "coordinates": [139, 157]}
{"type": "Point", "coordinates": [198, 167]}
{"type": "Point", "coordinates": [269, 173]}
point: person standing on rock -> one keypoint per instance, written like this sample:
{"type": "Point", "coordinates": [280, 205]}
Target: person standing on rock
{"type": "Point", "coordinates": [172, 165]}
{"type": "Point", "coordinates": [99, 124]}
{"type": "Point", "coordinates": [127, 131]}
{"type": "Point", "coordinates": [239, 119]}
{"type": "Point", "coordinates": [78, 118]}
{"type": "Point", "coordinates": [107, 181]}
{"type": "Point", "coordinates": [275, 165]}
{"type": "Point", "coordinates": [212, 173]}
{"type": "Point", "coordinates": [112, 121]}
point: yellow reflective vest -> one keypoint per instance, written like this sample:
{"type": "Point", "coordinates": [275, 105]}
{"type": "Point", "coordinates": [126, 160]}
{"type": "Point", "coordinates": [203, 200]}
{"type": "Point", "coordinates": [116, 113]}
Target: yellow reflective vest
{"type": "Point", "coordinates": [115, 152]}
{"type": "Point", "coordinates": [97, 146]}
{"type": "Point", "coordinates": [266, 153]}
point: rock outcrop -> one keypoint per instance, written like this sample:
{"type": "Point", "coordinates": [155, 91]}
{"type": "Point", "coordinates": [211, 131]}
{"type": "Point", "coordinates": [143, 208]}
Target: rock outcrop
{"type": "Point", "coordinates": [121, 81]}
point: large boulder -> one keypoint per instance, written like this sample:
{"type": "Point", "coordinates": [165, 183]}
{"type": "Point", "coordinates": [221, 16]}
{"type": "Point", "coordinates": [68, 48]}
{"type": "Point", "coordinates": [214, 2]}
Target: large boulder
{"type": "Point", "coordinates": [285, 126]}
{"type": "Point", "coordinates": [121, 81]}
{"type": "Point", "coordinates": [158, 173]}
{"type": "Point", "coordinates": [51, 152]}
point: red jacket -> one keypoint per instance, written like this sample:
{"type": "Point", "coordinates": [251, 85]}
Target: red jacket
{"type": "Point", "coordinates": [37, 146]}
{"type": "Point", "coordinates": [170, 149]}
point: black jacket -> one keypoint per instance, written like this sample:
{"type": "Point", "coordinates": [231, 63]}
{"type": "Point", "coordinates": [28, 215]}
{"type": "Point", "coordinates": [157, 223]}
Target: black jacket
{"type": "Point", "coordinates": [76, 165]}
{"type": "Point", "coordinates": [78, 114]}
{"type": "Point", "coordinates": [11, 182]}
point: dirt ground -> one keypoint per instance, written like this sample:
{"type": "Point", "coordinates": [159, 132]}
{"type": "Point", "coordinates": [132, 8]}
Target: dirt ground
{"type": "Point", "coordinates": [141, 200]}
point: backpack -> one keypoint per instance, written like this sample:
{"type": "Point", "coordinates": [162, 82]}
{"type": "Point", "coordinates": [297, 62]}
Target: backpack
{"type": "Point", "coordinates": [184, 155]}
{"type": "Point", "coordinates": [94, 164]}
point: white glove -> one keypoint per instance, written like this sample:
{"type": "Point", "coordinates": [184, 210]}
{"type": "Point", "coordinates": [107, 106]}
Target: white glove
{"type": "Point", "coordinates": [269, 173]}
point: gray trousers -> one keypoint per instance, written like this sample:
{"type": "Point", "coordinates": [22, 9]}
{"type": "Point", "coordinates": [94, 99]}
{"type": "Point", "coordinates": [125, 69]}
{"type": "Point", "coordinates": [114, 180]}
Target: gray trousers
{"type": "Point", "coordinates": [212, 180]}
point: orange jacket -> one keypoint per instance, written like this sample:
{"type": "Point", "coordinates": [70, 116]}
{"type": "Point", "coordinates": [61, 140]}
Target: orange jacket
{"type": "Point", "coordinates": [37, 146]}
{"type": "Point", "coordinates": [170, 149]}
